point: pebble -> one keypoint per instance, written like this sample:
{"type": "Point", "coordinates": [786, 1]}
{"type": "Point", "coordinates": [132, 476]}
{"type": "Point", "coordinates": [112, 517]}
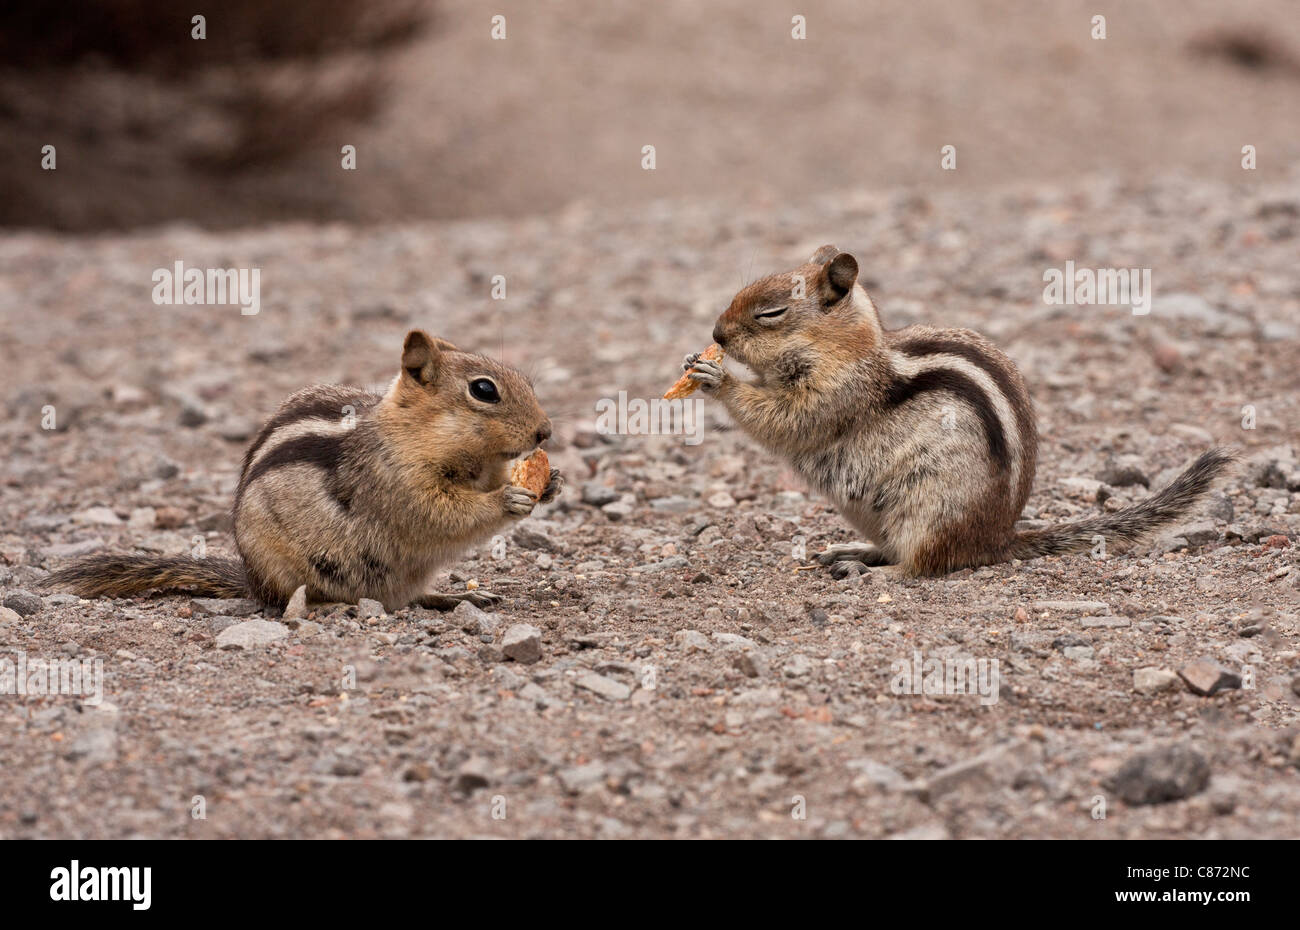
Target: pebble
{"type": "Point", "coordinates": [1206, 676]}
{"type": "Point", "coordinates": [617, 510]}
{"type": "Point", "coordinates": [597, 494]}
{"type": "Point", "coordinates": [1074, 607]}
{"type": "Point", "coordinates": [72, 550]}
{"type": "Point", "coordinates": [580, 778]}
{"type": "Point", "coordinates": [691, 640]}
{"type": "Point", "coordinates": [1083, 489]}
{"type": "Point", "coordinates": [251, 634]}
{"type": "Point", "coordinates": [100, 516]}
{"type": "Point", "coordinates": [734, 639]}
{"type": "Point", "coordinates": [749, 664]}
{"type": "Point", "coordinates": [367, 608]}
{"type": "Point", "coordinates": [24, 603]}
{"type": "Point", "coordinates": [1199, 533]}
{"type": "Point", "coordinates": [226, 607]}
{"type": "Point", "coordinates": [95, 746]}
{"type": "Point", "coordinates": [470, 618]}
{"type": "Point", "coordinates": [798, 666]}
{"type": "Point", "coordinates": [296, 609]}
{"type": "Point", "coordinates": [522, 643]}
{"type": "Point", "coordinates": [607, 688]}
{"type": "Point", "coordinates": [1170, 773]}
{"type": "Point", "coordinates": [1108, 623]}
{"type": "Point", "coordinates": [721, 500]}
{"type": "Point", "coordinates": [1150, 680]}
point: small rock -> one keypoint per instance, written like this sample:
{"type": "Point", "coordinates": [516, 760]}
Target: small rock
{"type": "Point", "coordinates": [734, 639]}
{"type": "Point", "coordinates": [296, 609]}
{"type": "Point", "coordinates": [72, 550]}
{"type": "Point", "coordinates": [607, 688]}
{"type": "Point", "coordinates": [597, 494]}
{"type": "Point", "coordinates": [192, 413]}
{"type": "Point", "coordinates": [169, 518]}
{"type": "Point", "coordinates": [225, 606]}
{"type": "Point", "coordinates": [1084, 489]}
{"type": "Point", "coordinates": [749, 664]}
{"type": "Point", "coordinates": [1159, 775]}
{"type": "Point", "coordinates": [24, 603]}
{"type": "Point", "coordinates": [721, 500]}
{"type": "Point", "coordinates": [468, 617]}
{"type": "Point", "coordinates": [1074, 607]}
{"type": "Point", "coordinates": [474, 774]}
{"type": "Point", "coordinates": [798, 666]}
{"type": "Point", "coordinates": [367, 608]}
{"type": "Point", "coordinates": [251, 634]}
{"type": "Point", "coordinates": [691, 640]}
{"type": "Point", "coordinates": [1199, 533]}
{"type": "Point", "coordinates": [522, 643]}
{"type": "Point", "coordinates": [100, 516]}
{"type": "Point", "coordinates": [617, 510]}
{"type": "Point", "coordinates": [1206, 676]}
{"type": "Point", "coordinates": [1123, 475]}
{"type": "Point", "coordinates": [580, 778]}
{"type": "Point", "coordinates": [96, 746]}
{"type": "Point", "coordinates": [529, 538]}
{"type": "Point", "coordinates": [1150, 680]}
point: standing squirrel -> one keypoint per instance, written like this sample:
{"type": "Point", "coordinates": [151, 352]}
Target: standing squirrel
{"type": "Point", "coordinates": [923, 438]}
{"type": "Point", "coordinates": [355, 494]}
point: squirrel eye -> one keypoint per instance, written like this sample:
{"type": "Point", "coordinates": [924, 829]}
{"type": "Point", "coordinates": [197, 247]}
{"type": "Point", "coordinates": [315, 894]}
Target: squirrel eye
{"type": "Point", "coordinates": [484, 390]}
{"type": "Point", "coordinates": [770, 314]}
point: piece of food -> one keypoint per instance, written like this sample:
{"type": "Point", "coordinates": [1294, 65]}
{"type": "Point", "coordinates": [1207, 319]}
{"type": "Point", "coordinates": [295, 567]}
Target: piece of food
{"type": "Point", "coordinates": [532, 473]}
{"type": "Point", "coordinates": [685, 387]}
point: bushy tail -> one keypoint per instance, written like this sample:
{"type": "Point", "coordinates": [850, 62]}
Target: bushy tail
{"type": "Point", "coordinates": [1131, 523]}
{"type": "Point", "coordinates": [125, 575]}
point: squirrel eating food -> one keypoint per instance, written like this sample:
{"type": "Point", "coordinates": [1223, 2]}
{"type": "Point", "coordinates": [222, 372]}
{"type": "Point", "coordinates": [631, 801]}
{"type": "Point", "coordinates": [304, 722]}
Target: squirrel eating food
{"type": "Point", "coordinates": [923, 438]}
{"type": "Point", "coordinates": [360, 495]}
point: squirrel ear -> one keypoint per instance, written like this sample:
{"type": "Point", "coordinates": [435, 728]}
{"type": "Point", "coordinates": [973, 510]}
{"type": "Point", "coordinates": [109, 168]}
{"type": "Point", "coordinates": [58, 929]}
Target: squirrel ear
{"type": "Point", "coordinates": [420, 356]}
{"type": "Point", "coordinates": [824, 254]}
{"type": "Point", "coordinates": [841, 274]}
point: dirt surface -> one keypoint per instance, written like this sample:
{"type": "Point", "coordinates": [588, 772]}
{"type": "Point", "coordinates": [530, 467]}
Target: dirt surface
{"type": "Point", "coordinates": [560, 109]}
{"type": "Point", "coordinates": [696, 678]}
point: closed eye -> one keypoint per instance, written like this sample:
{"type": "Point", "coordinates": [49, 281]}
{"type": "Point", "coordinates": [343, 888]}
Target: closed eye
{"type": "Point", "coordinates": [770, 314]}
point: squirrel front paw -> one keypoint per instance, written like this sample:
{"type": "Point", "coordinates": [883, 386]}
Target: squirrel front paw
{"type": "Point", "coordinates": [708, 375]}
{"type": "Point", "coordinates": [519, 502]}
{"type": "Point", "coordinates": [553, 487]}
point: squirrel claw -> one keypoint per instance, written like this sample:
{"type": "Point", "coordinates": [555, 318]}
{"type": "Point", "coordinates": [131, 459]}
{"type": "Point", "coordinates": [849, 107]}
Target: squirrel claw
{"type": "Point", "coordinates": [519, 502]}
{"type": "Point", "coordinates": [707, 374]}
{"type": "Point", "coordinates": [553, 487]}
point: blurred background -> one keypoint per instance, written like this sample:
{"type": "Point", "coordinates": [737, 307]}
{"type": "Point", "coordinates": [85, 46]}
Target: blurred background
{"type": "Point", "coordinates": [246, 126]}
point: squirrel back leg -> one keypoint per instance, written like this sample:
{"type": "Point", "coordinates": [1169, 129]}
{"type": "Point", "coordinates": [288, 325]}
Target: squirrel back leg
{"type": "Point", "coordinates": [866, 553]}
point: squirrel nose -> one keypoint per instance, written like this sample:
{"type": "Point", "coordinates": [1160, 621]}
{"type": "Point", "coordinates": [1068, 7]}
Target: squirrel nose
{"type": "Point", "coordinates": [719, 336]}
{"type": "Point", "coordinates": [544, 433]}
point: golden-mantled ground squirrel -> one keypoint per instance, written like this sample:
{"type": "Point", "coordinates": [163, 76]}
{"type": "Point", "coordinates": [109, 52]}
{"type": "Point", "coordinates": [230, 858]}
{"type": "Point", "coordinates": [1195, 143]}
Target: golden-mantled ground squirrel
{"type": "Point", "coordinates": [923, 438]}
{"type": "Point", "coordinates": [355, 494]}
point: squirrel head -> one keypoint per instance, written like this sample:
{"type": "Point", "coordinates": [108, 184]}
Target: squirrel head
{"type": "Point", "coordinates": [817, 313]}
{"type": "Point", "coordinates": [464, 410]}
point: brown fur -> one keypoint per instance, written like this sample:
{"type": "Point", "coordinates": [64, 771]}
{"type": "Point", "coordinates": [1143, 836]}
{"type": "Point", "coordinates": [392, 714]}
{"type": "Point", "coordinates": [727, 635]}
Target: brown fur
{"type": "Point", "coordinates": [356, 494]}
{"type": "Point", "coordinates": [923, 437]}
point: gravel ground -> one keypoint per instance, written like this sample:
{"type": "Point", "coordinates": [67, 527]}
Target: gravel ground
{"type": "Point", "coordinates": [696, 676]}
